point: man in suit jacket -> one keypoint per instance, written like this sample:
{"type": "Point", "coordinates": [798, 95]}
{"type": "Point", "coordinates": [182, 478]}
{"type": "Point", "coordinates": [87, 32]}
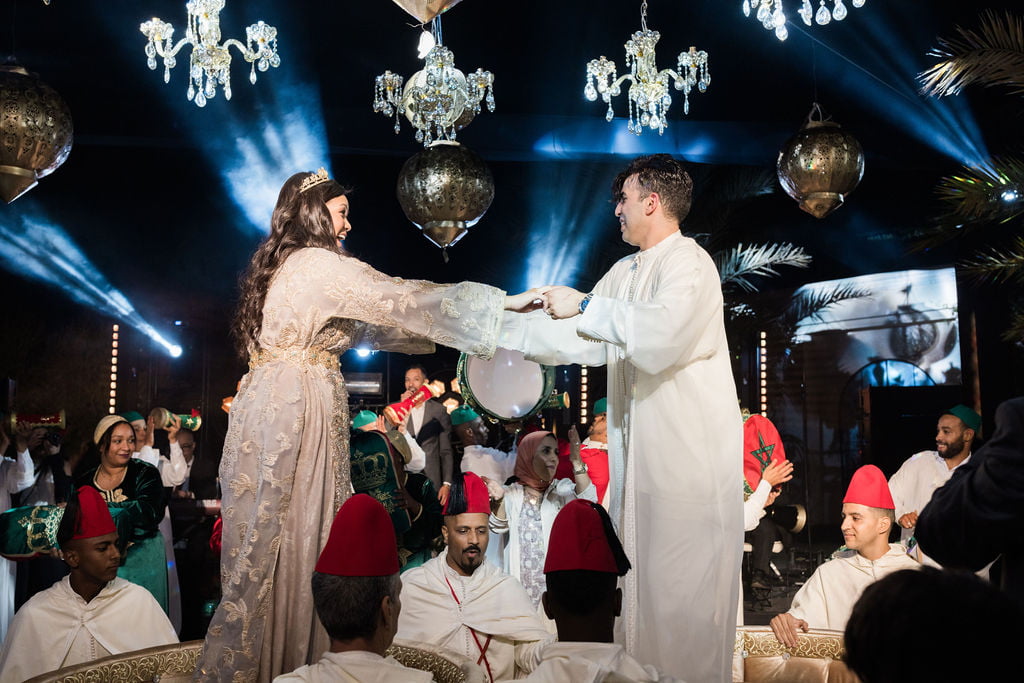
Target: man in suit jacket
{"type": "Point", "coordinates": [429, 424]}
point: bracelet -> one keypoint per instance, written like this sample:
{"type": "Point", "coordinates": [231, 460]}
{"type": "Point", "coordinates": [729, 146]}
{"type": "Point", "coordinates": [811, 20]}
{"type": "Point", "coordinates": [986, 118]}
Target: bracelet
{"type": "Point", "coordinates": [582, 470]}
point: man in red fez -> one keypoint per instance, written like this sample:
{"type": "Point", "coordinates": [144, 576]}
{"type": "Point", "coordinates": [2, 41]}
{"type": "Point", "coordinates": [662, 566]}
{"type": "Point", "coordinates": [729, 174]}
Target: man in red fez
{"type": "Point", "coordinates": [464, 603]}
{"type": "Point", "coordinates": [91, 613]}
{"type": "Point", "coordinates": [356, 593]}
{"type": "Point", "coordinates": [584, 562]}
{"type": "Point", "coordinates": [827, 599]}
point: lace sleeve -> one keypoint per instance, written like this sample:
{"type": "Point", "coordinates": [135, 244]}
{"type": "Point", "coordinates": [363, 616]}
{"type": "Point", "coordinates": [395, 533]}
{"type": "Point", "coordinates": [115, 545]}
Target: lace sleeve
{"type": "Point", "coordinates": [466, 315]}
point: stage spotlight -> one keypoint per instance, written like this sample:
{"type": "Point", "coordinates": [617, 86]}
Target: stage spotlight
{"type": "Point", "coordinates": [32, 246]}
{"type": "Point", "coordinates": [567, 216]}
{"type": "Point", "coordinates": [288, 136]}
{"type": "Point", "coordinates": [1010, 196]}
{"type": "Point", "coordinates": [880, 63]}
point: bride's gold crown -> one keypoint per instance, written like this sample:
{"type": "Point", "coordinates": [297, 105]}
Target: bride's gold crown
{"type": "Point", "coordinates": [314, 179]}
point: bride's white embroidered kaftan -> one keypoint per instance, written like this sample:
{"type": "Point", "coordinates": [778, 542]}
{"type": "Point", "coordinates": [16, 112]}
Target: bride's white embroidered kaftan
{"type": "Point", "coordinates": [285, 468]}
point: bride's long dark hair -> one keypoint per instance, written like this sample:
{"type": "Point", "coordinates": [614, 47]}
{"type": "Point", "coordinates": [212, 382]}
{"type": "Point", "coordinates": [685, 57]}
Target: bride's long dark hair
{"type": "Point", "coordinates": [300, 219]}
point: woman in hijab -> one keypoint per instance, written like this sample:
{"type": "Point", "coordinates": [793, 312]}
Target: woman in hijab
{"type": "Point", "coordinates": [526, 509]}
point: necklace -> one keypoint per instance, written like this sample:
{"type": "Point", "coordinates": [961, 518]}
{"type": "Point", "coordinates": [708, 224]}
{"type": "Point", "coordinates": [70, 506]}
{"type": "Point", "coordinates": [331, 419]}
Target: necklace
{"type": "Point", "coordinates": [115, 480]}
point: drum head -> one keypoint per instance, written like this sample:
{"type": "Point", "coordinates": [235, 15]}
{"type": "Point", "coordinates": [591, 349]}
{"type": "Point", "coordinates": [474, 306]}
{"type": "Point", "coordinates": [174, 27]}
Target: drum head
{"type": "Point", "coordinates": [508, 387]}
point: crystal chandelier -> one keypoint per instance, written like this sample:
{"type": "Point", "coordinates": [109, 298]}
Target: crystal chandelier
{"type": "Point", "coordinates": [439, 100]}
{"type": "Point", "coordinates": [211, 61]}
{"type": "Point", "coordinates": [649, 97]}
{"type": "Point", "coordinates": [773, 17]}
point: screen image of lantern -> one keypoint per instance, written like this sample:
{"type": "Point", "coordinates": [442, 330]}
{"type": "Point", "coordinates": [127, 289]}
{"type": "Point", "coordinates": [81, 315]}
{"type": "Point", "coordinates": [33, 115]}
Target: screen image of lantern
{"type": "Point", "coordinates": [910, 316]}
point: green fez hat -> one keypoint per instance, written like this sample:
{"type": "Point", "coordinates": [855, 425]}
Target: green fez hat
{"type": "Point", "coordinates": [600, 406]}
{"type": "Point", "coordinates": [463, 414]}
{"type": "Point", "coordinates": [132, 416]}
{"type": "Point", "coordinates": [966, 415]}
{"type": "Point", "coordinates": [363, 418]}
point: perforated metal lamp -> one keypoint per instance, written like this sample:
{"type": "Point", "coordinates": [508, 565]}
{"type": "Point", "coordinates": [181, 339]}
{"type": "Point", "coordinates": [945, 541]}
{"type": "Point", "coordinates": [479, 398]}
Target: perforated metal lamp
{"type": "Point", "coordinates": [820, 165]}
{"type": "Point", "coordinates": [36, 131]}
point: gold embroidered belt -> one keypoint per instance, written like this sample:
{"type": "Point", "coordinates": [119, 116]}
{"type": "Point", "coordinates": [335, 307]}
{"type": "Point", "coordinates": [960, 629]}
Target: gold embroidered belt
{"type": "Point", "coordinates": [304, 358]}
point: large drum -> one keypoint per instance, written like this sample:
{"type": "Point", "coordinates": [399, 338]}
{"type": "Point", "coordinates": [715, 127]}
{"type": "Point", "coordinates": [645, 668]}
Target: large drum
{"type": "Point", "coordinates": [508, 387]}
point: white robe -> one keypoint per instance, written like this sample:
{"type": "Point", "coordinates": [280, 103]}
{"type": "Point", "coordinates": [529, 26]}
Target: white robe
{"type": "Point", "coordinates": [593, 663]}
{"type": "Point", "coordinates": [355, 667]}
{"type": "Point", "coordinates": [488, 462]}
{"type": "Point", "coordinates": [15, 476]}
{"type": "Point", "coordinates": [57, 628]}
{"type": "Point", "coordinates": [828, 597]}
{"type": "Point", "coordinates": [675, 442]}
{"type": "Point", "coordinates": [912, 487]}
{"type": "Point", "coordinates": [490, 603]}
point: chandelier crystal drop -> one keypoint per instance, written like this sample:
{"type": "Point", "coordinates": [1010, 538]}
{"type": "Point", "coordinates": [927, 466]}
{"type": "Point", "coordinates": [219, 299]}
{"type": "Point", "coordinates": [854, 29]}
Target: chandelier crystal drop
{"type": "Point", "coordinates": [211, 61]}
{"type": "Point", "coordinates": [773, 17]}
{"type": "Point", "coordinates": [438, 100]}
{"type": "Point", "coordinates": [649, 95]}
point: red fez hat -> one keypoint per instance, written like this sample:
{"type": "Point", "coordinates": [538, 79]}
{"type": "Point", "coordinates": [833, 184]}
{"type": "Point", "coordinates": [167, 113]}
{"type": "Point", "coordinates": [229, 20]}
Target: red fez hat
{"type": "Point", "coordinates": [578, 541]}
{"type": "Point", "coordinates": [762, 446]}
{"type": "Point", "coordinates": [468, 495]}
{"type": "Point", "coordinates": [869, 487]}
{"type": "Point", "coordinates": [362, 541]}
{"type": "Point", "coordinates": [93, 515]}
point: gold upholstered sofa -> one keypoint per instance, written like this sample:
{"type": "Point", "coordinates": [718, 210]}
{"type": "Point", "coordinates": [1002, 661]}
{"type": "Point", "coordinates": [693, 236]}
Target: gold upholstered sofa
{"type": "Point", "coordinates": [759, 658]}
{"type": "Point", "coordinates": [175, 664]}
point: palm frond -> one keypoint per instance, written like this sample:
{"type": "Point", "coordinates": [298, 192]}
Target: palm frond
{"type": "Point", "coordinates": [998, 265]}
{"type": "Point", "coordinates": [812, 303]}
{"type": "Point", "coordinates": [990, 56]}
{"type": "Point", "coordinates": [738, 265]}
{"type": "Point", "coordinates": [1015, 331]}
{"type": "Point", "coordinates": [976, 197]}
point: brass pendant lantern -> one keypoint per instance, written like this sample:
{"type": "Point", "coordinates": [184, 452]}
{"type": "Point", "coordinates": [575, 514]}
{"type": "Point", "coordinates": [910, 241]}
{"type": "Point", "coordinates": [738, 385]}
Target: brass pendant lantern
{"type": "Point", "coordinates": [820, 165]}
{"type": "Point", "coordinates": [35, 131]}
{"type": "Point", "coordinates": [444, 190]}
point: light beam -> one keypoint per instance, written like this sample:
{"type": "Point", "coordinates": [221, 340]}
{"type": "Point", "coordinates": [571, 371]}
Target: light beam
{"type": "Point", "coordinates": [34, 247]}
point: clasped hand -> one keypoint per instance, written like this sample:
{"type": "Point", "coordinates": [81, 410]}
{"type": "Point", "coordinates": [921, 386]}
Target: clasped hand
{"type": "Point", "coordinates": [557, 301]}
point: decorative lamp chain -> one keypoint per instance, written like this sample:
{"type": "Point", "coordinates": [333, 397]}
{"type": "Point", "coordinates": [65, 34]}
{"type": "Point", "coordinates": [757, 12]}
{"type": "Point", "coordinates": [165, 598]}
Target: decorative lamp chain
{"type": "Point", "coordinates": [210, 63]}
{"type": "Point", "coordinates": [648, 97]}
{"type": "Point", "coordinates": [773, 17]}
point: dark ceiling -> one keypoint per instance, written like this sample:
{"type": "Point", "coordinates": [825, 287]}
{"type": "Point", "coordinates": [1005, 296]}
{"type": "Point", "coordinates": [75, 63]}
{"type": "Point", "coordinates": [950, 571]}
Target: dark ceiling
{"type": "Point", "coordinates": [144, 192]}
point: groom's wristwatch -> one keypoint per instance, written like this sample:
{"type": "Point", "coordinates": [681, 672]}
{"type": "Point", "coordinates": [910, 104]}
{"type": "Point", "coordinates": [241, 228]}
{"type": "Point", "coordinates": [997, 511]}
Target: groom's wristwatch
{"type": "Point", "coordinates": [585, 301]}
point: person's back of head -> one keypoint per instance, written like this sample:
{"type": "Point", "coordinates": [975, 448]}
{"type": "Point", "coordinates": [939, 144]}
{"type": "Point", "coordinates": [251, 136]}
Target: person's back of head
{"type": "Point", "coordinates": [932, 625]}
{"type": "Point", "coordinates": [584, 562]}
{"type": "Point", "coordinates": [355, 582]}
{"type": "Point", "coordinates": [350, 607]}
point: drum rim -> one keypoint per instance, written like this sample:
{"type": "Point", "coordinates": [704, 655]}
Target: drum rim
{"type": "Point", "coordinates": [468, 397]}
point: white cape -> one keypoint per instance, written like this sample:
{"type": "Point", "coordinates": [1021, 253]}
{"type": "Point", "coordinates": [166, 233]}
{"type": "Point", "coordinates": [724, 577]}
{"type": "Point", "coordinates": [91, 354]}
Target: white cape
{"type": "Point", "coordinates": [355, 667]}
{"type": "Point", "coordinates": [492, 604]}
{"type": "Point", "coordinates": [593, 663]}
{"type": "Point", "coordinates": [56, 626]}
{"type": "Point", "coordinates": [828, 597]}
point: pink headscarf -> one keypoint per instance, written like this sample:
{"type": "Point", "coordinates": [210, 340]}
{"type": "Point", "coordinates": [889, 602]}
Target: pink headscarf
{"type": "Point", "coordinates": [524, 461]}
